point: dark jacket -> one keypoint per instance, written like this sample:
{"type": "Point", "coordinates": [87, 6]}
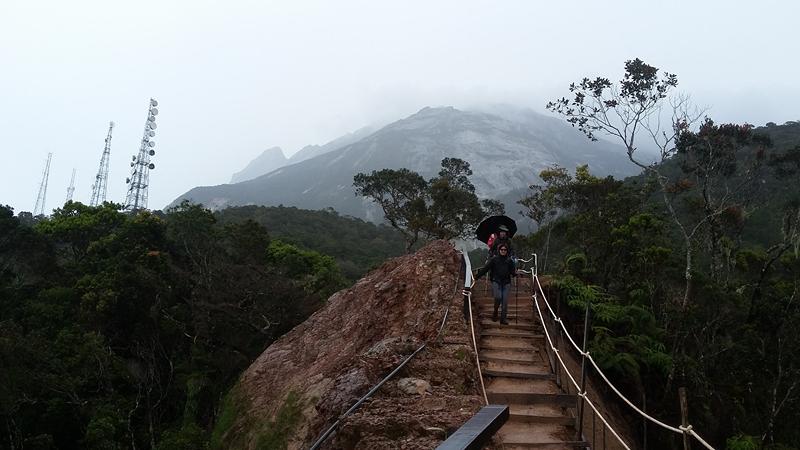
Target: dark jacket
{"type": "Point", "coordinates": [501, 269]}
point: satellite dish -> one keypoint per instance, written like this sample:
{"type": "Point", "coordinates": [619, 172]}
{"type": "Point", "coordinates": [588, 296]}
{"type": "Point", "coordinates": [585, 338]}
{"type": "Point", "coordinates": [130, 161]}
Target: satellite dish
{"type": "Point", "coordinates": [153, 102]}
{"type": "Point", "coordinates": [151, 133]}
{"type": "Point", "coordinates": [133, 158]}
{"type": "Point", "coordinates": [151, 143]}
{"type": "Point", "coordinates": [152, 125]}
{"type": "Point", "coordinates": [127, 180]}
{"type": "Point", "coordinates": [151, 118]}
{"type": "Point", "coordinates": [131, 164]}
{"type": "Point", "coordinates": [154, 111]}
{"type": "Point", "coordinates": [152, 166]}
{"type": "Point", "coordinates": [152, 152]}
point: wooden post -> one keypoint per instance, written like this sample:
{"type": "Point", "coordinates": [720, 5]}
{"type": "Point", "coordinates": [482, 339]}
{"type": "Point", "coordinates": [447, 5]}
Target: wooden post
{"type": "Point", "coordinates": [557, 332]}
{"type": "Point", "coordinates": [581, 393]}
{"type": "Point", "coordinates": [684, 417]}
{"type": "Point", "coordinates": [644, 421]}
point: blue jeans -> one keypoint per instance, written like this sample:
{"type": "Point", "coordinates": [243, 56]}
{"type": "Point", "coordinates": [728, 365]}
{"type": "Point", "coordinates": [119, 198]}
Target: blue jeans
{"type": "Point", "coordinates": [501, 297]}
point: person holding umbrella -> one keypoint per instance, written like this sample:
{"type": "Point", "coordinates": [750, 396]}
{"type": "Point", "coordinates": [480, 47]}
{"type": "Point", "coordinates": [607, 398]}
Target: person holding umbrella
{"type": "Point", "coordinates": [501, 268]}
{"type": "Point", "coordinates": [502, 238]}
{"type": "Point", "coordinates": [496, 230]}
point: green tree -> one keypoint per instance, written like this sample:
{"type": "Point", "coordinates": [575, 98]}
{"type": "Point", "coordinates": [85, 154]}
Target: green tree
{"type": "Point", "coordinates": [123, 330]}
{"type": "Point", "coordinates": [543, 202]}
{"type": "Point", "coordinates": [444, 207]}
{"type": "Point", "coordinates": [722, 164]}
{"type": "Point", "coordinates": [454, 209]}
{"type": "Point", "coordinates": [402, 196]}
{"type": "Point", "coordinates": [627, 110]}
{"type": "Point", "coordinates": [319, 273]}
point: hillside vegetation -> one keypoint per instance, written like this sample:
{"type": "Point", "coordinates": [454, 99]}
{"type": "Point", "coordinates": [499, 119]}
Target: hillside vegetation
{"type": "Point", "coordinates": [124, 331]}
{"type": "Point", "coordinates": [356, 245]}
{"type": "Point", "coordinates": [731, 340]}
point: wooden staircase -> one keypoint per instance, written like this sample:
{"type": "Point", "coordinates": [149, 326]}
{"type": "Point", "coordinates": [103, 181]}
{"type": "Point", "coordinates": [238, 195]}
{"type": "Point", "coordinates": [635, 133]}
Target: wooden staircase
{"type": "Point", "coordinates": [517, 373]}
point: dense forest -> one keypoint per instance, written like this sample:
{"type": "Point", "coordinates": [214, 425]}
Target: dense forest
{"type": "Point", "coordinates": [356, 245]}
{"type": "Point", "coordinates": [125, 331]}
{"type": "Point", "coordinates": [725, 327]}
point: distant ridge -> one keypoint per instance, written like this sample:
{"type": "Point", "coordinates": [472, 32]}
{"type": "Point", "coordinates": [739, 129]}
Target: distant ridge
{"type": "Point", "coordinates": [310, 151]}
{"type": "Point", "coordinates": [506, 149]}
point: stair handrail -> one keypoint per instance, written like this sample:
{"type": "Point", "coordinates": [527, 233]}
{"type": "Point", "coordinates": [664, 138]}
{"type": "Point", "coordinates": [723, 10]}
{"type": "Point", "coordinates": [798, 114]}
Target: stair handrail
{"type": "Point", "coordinates": [535, 283]}
{"type": "Point", "coordinates": [557, 353]}
{"type": "Point", "coordinates": [469, 281]}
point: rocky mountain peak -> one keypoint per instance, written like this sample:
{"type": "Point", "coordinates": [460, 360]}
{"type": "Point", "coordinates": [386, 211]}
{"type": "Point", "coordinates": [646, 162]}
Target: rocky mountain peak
{"type": "Point", "coordinates": [269, 160]}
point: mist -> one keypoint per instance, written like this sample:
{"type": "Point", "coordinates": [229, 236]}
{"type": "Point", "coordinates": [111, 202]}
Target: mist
{"type": "Point", "coordinates": [235, 78]}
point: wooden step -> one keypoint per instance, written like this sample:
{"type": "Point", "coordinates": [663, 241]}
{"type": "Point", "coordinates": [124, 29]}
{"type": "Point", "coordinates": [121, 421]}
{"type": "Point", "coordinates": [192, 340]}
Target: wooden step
{"type": "Point", "coordinates": [556, 445]}
{"type": "Point", "coordinates": [506, 398]}
{"type": "Point", "coordinates": [527, 302]}
{"type": "Point", "coordinates": [510, 317]}
{"type": "Point", "coordinates": [518, 368]}
{"type": "Point", "coordinates": [542, 413]}
{"type": "Point", "coordinates": [512, 356]}
{"type": "Point", "coordinates": [549, 436]}
{"type": "Point", "coordinates": [511, 302]}
{"type": "Point", "coordinates": [507, 343]}
{"type": "Point", "coordinates": [490, 346]}
{"type": "Point", "coordinates": [523, 375]}
{"type": "Point", "coordinates": [493, 332]}
{"type": "Point", "coordinates": [522, 325]}
{"type": "Point", "coordinates": [522, 313]}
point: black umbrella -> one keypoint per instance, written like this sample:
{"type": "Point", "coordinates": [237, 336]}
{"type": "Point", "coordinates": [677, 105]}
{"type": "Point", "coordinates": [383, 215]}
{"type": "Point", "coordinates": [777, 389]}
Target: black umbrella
{"type": "Point", "coordinates": [492, 224]}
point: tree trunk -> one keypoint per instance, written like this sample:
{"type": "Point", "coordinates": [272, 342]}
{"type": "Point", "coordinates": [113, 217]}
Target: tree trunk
{"type": "Point", "coordinates": [715, 239]}
{"type": "Point", "coordinates": [547, 247]}
{"type": "Point", "coordinates": [688, 276]}
{"type": "Point", "coordinates": [410, 241]}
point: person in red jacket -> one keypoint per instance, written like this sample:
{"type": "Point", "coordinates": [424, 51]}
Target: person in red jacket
{"type": "Point", "coordinates": [500, 238]}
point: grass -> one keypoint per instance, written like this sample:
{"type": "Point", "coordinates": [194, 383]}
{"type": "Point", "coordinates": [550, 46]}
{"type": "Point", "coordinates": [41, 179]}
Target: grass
{"type": "Point", "coordinates": [277, 432]}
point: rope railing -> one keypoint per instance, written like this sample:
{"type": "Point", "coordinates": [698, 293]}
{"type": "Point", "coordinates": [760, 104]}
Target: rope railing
{"type": "Point", "coordinates": [375, 388]}
{"type": "Point", "coordinates": [555, 350]}
{"type": "Point", "coordinates": [468, 282]}
{"type": "Point", "coordinates": [536, 284]}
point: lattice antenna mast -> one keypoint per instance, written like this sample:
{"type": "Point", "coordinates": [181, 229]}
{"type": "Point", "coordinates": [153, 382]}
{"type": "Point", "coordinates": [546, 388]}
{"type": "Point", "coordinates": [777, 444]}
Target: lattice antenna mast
{"type": "Point", "coordinates": [139, 180]}
{"type": "Point", "coordinates": [99, 187]}
{"type": "Point", "coordinates": [41, 199]}
{"type": "Point", "coordinates": [71, 188]}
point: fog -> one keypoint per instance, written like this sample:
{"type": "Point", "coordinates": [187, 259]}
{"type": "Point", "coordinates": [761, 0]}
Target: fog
{"type": "Point", "coordinates": [236, 77]}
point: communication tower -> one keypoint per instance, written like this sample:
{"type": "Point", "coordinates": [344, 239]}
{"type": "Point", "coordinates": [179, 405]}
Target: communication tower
{"type": "Point", "coordinates": [71, 188]}
{"type": "Point", "coordinates": [101, 179]}
{"type": "Point", "coordinates": [38, 210]}
{"type": "Point", "coordinates": [139, 180]}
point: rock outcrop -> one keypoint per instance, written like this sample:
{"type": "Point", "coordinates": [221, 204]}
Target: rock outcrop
{"type": "Point", "coordinates": [310, 376]}
{"type": "Point", "coordinates": [269, 160]}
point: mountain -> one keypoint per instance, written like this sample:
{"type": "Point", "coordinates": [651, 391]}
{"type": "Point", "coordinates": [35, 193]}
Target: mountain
{"type": "Point", "coordinates": [310, 151]}
{"type": "Point", "coordinates": [266, 162]}
{"type": "Point", "coordinates": [273, 158]}
{"type": "Point", "coordinates": [506, 149]}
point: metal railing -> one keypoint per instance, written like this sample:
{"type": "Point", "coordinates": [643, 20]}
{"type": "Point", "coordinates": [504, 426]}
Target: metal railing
{"type": "Point", "coordinates": [560, 368]}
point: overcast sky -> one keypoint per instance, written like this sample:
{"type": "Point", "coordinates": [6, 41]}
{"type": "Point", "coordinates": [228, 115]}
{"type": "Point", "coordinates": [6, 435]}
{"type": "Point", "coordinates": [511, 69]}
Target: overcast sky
{"type": "Point", "coordinates": [236, 77]}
